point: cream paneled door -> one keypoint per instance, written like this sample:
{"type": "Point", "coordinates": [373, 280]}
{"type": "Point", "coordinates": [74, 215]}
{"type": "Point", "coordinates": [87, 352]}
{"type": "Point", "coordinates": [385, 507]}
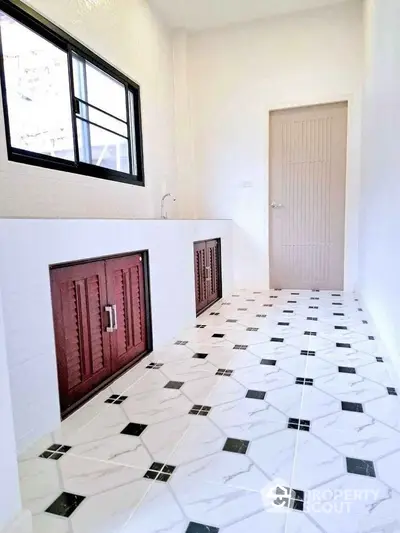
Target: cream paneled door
{"type": "Point", "coordinates": [307, 196]}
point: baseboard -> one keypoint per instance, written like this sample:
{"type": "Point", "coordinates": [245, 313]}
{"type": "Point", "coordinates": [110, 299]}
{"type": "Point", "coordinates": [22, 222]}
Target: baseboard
{"type": "Point", "coordinates": [21, 524]}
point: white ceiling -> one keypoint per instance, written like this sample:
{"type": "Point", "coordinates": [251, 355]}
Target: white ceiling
{"type": "Point", "coordinates": [202, 14]}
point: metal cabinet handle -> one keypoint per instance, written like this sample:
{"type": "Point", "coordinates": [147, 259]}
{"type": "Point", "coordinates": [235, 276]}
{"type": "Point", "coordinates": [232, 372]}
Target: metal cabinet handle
{"type": "Point", "coordinates": [109, 310]}
{"type": "Point", "coordinates": [115, 325]}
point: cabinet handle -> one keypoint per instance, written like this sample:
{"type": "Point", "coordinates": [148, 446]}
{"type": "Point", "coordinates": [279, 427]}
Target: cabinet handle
{"type": "Point", "coordinates": [114, 310]}
{"type": "Point", "coordinates": [109, 311]}
{"type": "Point", "coordinates": [208, 268]}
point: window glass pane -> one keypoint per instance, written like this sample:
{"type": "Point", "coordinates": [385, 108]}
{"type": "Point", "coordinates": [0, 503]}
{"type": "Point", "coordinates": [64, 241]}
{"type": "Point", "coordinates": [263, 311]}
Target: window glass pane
{"type": "Point", "coordinates": [132, 132]}
{"type": "Point", "coordinates": [98, 88]}
{"type": "Point", "coordinates": [36, 74]}
{"type": "Point", "coordinates": [102, 148]}
{"type": "Point", "coordinates": [101, 119]}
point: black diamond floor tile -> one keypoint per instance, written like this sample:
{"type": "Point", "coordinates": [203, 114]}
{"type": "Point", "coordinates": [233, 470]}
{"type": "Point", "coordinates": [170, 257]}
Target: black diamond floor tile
{"type": "Point", "coordinates": [343, 345]}
{"type": "Point", "coordinates": [135, 430]}
{"type": "Point", "coordinates": [240, 347]}
{"type": "Point", "coordinates": [55, 452]}
{"type": "Point", "coordinates": [352, 406]}
{"type": "Point", "coordinates": [312, 318]}
{"type": "Point", "coordinates": [231, 321]}
{"type": "Point", "coordinates": [181, 343]}
{"type": "Point", "coordinates": [347, 369]}
{"type": "Point", "coordinates": [338, 314]}
{"type": "Point", "coordinates": [299, 424]}
{"type": "Point", "coordinates": [283, 323]}
{"type": "Point", "coordinates": [341, 327]}
{"type": "Point", "coordinates": [360, 466]}
{"type": "Point", "coordinates": [160, 472]}
{"type": "Point", "coordinates": [201, 326]}
{"type": "Point", "coordinates": [304, 381]}
{"type": "Point", "coordinates": [310, 333]}
{"type": "Point", "coordinates": [277, 339]}
{"type": "Point", "coordinates": [155, 366]}
{"type": "Point", "coordinates": [199, 355]}
{"type": "Point", "coordinates": [173, 385]}
{"type": "Point", "coordinates": [391, 391]}
{"type": "Point", "coordinates": [224, 372]}
{"type": "Point", "coordinates": [200, 410]}
{"type": "Point", "coordinates": [65, 504]}
{"type": "Point", "coordinates": [269, 362]}
{"type": "Point", "coordinates": [308, 352]}
{"type": "Point", "coordinates": [252, 329]}
{"type": "Point", "coordinates": [256, 394]}
{"type": "Point", "coordinates": [379, 359]}
{"type": "Point", "coordinates": [236, 445]}
{"type": "Point", "coordinates": [195, 527]}
{"type": "Point", "coordinates": [218, 335]}
{"type": "Point", "coordinates": [371, 338]}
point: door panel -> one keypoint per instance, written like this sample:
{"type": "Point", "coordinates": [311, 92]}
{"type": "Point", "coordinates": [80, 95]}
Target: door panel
{"type": "Point", "coordinates": [307, 197]}
{"type": "Point", "coordinates": [125, 287]}
{"type": "Point", "coordinates": [200, 257]}
{"type": "Point", "coordinates": [212, 270]}
{"type": "Point", "coordinates": [83, 346]}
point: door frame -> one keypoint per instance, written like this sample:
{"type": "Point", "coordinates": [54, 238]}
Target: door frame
{"type": "Point", "coordinates": [219, 261]}
{"type": "Point", "coordinates": [148, 319]}
{"type": "Point", "coordinates": [353, 176]}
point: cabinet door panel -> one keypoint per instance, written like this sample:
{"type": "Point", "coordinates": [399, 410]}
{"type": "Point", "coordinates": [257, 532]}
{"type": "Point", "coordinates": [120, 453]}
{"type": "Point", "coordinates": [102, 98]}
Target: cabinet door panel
{"type": "Point", "coordinates": [200, 275]}
{"type": "Point", "coordinates": [82, 344]}
{"type": "Point", "coordinates": [213, 270]}
{"type": "Point", "coordinates": [125, 287]}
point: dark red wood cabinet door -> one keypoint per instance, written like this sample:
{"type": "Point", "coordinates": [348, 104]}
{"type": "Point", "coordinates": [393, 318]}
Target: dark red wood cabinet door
{"type": "Point", "coordinates": [213, 270]}
{"type": "Point", "coordinates": [125, 287]}
{"type": "Point", "coordinates": [200, 273]}
{"type": "Point", "coordinates": [83, 346]}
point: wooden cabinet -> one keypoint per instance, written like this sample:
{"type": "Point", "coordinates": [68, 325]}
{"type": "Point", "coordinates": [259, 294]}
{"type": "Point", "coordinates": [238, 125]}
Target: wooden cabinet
{"type": "Point", "coordinates": [100, 322]}
{"type": "Point", "coordinates": [207, 267]}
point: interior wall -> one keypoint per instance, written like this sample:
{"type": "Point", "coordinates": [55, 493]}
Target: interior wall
{"type": "Point", "coordinates": [10, 502]}
{"type": "Point", "coordinates": [236, 76]}
{"type": "Point", "coordinates": [380, 222]}
{"type": "Point", "coordinates": [127, 35]}
{"type": "Point", "coordinates": [28, 248]}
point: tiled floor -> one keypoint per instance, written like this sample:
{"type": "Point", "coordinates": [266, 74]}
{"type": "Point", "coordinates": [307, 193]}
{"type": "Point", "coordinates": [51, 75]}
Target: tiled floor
{"type": "Point", "coordinates": [280, 415]}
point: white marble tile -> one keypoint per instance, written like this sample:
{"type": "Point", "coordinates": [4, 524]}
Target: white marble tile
{"type": "Point", "coordinates": [118, 449]}
{"type": "Point", "coordinates": [158, 512]}
{"type": "Point", "coordinates": [350, 387]}
{"type": "Point", "coordinates": [316, 367]}
{"type": "Point", "coordinates": [152, 380]}
{"type": "Point", "coordinates": [377, 372]}
{"type": "Point", "coordinates": [224, 468]}
{"type": "Point", "coordinates": [356, 435]}
{"type": "Point", "coordinates": [201, 438]}
{"type": "Point", "coordinates": [47, 523]}
{"type": "Point", "coordinates": [187, 370]}
{"type": "Point", "coordinates": [161, 439]}
{"type": "Point", "coordinates": [315, 463]}
{"type": "Point", "coordinates": [248, 418]}
{"type": "Point", "coordinates": [296, 366]}
{"type": "Point", "coordinates": [287, 400]}
{"type": "Point", "coordinates": [298, 522]}
{"type": "Point", "coordinates": [345, 357]}
{"type": "Point", "coordinates": [388, 470]}
{"type": "Point", "coordinates": [156, 406]}
{"type": "Point", "coordinates": [386, 410]}
{"type": "Point", "coordinates": [316, 403]}
{"type": "Point", "coordinates": [354, 504]}
{"type": "Point", "coordinates": [212, 504]}
{"type": "Point", "coordinates": [276, 349]}
{"type": "Point", "coordinates": [259, 522]}
{"type": "Point", "coordinates": [274, 454]}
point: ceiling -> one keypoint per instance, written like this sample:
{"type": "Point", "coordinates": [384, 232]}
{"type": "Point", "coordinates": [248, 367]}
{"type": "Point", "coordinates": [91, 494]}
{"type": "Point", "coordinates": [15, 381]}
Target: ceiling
{"type": "Point", "coordinates": [196, 15]}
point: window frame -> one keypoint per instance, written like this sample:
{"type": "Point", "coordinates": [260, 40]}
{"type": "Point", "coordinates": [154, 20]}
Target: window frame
{"type": "Point", "coordinates": [28, 17]}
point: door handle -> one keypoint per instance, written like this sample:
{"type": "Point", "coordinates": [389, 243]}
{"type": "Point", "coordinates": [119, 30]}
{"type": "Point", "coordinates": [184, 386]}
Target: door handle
{"type": "Point", "coordinates": [109, 310]}
{"type": "Point", "coordinates": [115, 324]}
{"type": "Point", "coordinates": [275, 205]}
{"type": "Point", "coordinates": [208, 268]}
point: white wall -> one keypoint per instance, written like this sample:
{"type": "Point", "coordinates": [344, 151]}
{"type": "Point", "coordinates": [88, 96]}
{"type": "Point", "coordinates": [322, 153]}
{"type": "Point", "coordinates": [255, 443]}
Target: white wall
{"type": "Point", "coordinates": [380, 220]}
{"type": "Point", "coordinates": [236, 75]}
{"type": "Point", "coordinates": [10, 503]}
{"type": "Point", "coordinates": [28, 247]}
{"type": "Point", "coordinates": [127, 35]}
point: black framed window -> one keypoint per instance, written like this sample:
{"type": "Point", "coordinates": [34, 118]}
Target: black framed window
{"type": "Point", "coordinates": [64, 107]}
